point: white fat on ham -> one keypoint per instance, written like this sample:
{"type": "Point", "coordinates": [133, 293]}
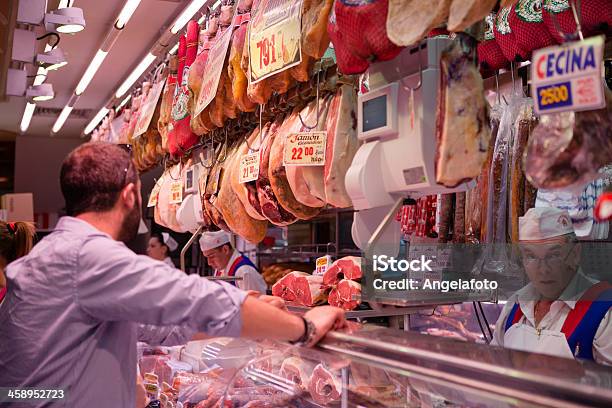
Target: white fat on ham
{"type": "Point", "coordinates": [342, 145]}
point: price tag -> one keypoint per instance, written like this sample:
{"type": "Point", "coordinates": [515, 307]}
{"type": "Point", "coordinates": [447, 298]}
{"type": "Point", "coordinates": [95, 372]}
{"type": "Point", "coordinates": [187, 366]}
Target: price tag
{"type": "Point", "coordinates": [305, 148]}
{"type": "Point", "coordinates": [148, 109]}
{"type": "Point", "coordinates": [275, 38]}
{"type": "Point", "coordinates": [213, 68]}
{"type": "Point", "coordinates": [568, 77]}
{"type": "Point", "coordinates": [176, 192]}
{"type": "Point", "coordinates": [249, 167]}
{"type": "Point", "coordinates": [322, 264]}
{"type": "Point", "coordinates": [155, 193]}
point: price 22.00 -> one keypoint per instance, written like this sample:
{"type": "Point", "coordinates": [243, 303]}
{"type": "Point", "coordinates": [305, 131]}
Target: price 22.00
{"type": "Point", "coordinates": [296, 152]}
{"type": "Point", "coordinates": [554, 95]}
{"type": "Point", "coordinates": [267, 51]}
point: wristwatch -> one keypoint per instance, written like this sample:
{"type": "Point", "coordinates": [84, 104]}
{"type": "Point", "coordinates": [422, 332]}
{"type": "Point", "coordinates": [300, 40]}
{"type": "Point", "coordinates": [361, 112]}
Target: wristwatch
{"type": "Point", "coordinates": [309, 333]}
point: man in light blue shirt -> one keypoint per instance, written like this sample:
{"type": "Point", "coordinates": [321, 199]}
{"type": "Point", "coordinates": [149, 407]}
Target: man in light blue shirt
{"type": "Point", "coordinates": [70, 318]}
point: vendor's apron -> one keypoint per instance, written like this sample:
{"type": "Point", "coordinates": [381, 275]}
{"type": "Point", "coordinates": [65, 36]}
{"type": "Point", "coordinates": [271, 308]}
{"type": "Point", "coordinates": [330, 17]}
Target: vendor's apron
{"type": "Point", "coordinates": [238, 262]}
{"type": "Point", "coordinates": [576, 336]}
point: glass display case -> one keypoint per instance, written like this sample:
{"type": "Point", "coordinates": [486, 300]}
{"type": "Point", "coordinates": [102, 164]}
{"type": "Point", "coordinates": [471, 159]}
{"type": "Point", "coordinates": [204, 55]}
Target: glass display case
{"type": "Point", "coordinates": [370, 366]}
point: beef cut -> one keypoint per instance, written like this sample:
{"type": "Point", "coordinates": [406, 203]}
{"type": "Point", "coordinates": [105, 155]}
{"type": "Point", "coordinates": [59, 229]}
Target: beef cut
{"type": "Point", "coordinates": [408, 21]}
{"type": "Point", "coordinates": [297, 371]}
{"type": "Point", "coordinates": [283, 288]}
{"type": "Point", "coordinates": [325, 386]}
{"type": "Point", "coordinates": [346, 295]}
{"type": "Point", "coordinates": [342, 145]}
{"type": "Point", "coordinates": [270, 206]}
{"type": "Point", "coordinates": [278, 174]}
{"type": "Point", "coordinates": [358, 31]}
{"type": "Point", "coordinates": [462, 122]}
{"type": "Point", "coordinates": [348, 267]}
{"type": "Point", "coordinates": [300, 287]}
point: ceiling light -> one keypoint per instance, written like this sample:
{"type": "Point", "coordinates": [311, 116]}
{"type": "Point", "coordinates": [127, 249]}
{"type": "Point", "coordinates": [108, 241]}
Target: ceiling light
{"type": "Point", "coordinates": [128, 9]}
{"type": "Point", "coordinates": [67, 20]}
{"type": "Point", "coordinates": [186, 15]}
{"type": "Point", "coordinates": [217, 4]}
{"type": "Point", "coordinates": [27, 116]}
{"type": "Point", "coordinates": [40, 77]}
{"type": "Point", "coordinates": [91, 70]}
{"type": "Point", "coordinates": [65, 3]}
{"type": "Point", "coordinates": [61, 119]}
{"type": "Point", "coordinates": [97, 119]}
{"type": "Point", "coordinates": [138, 71]}
{"type": "Point", "coordinates": [51, 60]}
{"type": "Point", "coordinates": [174, 49]}
{"type": "Point", "coordinates": [39, 93]}
{"type": "Point", "coordinates": [123, 102]}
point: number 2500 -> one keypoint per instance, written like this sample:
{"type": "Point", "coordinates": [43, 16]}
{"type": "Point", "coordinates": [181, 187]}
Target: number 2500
{"type": "Point", "coordinates": [554, 94]}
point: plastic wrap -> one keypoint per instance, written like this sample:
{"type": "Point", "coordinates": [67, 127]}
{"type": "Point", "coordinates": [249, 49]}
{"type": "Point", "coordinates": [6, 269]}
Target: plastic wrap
{"type": "Point", "coordinates": [567, 150]}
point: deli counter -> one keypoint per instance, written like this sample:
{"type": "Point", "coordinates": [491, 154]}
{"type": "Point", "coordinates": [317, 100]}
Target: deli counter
{"type": "Point", "coordinates": [368, 366]}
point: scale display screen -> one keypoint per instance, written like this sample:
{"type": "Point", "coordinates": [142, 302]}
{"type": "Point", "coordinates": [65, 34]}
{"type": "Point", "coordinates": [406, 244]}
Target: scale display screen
{"type": "Point", "coordinates": [374, 113]}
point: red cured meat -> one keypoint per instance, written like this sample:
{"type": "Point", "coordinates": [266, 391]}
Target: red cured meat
{"type": "Point", "coordinates": [325, 386]}
{"type": "Point", "coordinates": [345, 268]}
{"type": "Point", "coordinates": [181, 137]}
{"type": "Point", "coordinates": [284, 287]}
{"type": "Point", "coordinates": [308, 291]}
{"type": "Point", "coordinates": [595, 17]}
{"type": "Point", "coordinates": [528, 27]}
{"type": "Point", "coordinates": [346, 295]}
{"type": "Point", "coordinates": [505, 38]}
{"type": "Point", "coordinates": [357, 29]}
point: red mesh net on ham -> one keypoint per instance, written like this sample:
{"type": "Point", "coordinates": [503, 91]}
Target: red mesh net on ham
{"type": "Point", "coordinates": [357, 28]}
{"type": "Point", "coordinates": [595, 17]}
{"type": "Point", "coordinates": [505, 37]}
{"type": "Point", "coordinates": [529, 30]}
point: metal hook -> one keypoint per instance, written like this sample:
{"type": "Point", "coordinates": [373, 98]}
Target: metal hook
{"type": "Point", "coordinates": [497, 87]}
{"type": "Point", "coordinates": [224, 148]}
{"type": "Point", "coordinates": [211, 148]}
{"type": "Point", "coordinates": [307, 127]}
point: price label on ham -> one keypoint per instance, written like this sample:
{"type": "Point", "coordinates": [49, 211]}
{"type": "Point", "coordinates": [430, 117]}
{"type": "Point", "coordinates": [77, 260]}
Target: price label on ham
{"type": "Point", "coordinates": [305, 148]}
{"type": "Point", "coordinates": [213, 68]}
{"type": "Point", "coordinates": [322, 264]}
{"type": "Point", "coordinates": [155, 193]}
{"type": "Point", "coordinates": [176, 192]}
{"type": "Point", "coordinates": [275, 38]}
{"type": "Point", "coordinates": [568, 77]}
{"type": "Point", "coordinates": [249, 167]}
{"type": "Point", "coordinates": [148, 109]}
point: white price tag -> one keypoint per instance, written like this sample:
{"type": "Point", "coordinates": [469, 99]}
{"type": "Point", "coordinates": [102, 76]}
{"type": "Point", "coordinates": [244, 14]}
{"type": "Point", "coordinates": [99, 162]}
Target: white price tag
{"type": "Point", "coordinates": [155, 193]}
{"type": "Point", "coordinates": [305, 149]}
{"type": "Point", "coordinates": [322, 264]}
{"type": "Point", "coordinates": [249, 167]}
{"type": "Point", "coordinates": [176, 192]}
{"type": "Point", "coordinates": [568, 77]}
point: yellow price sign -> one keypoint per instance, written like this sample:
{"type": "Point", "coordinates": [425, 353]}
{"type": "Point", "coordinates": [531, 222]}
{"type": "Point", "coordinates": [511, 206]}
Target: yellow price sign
{"type": "Point", "coordinates": [275, 38]}
{"type": "Point", "coordinates": [176, 192]}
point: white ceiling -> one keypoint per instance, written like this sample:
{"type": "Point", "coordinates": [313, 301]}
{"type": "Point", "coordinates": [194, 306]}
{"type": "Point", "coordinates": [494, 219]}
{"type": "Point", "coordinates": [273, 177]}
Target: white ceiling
{"type": "Point", "coordinates": [143, 29]}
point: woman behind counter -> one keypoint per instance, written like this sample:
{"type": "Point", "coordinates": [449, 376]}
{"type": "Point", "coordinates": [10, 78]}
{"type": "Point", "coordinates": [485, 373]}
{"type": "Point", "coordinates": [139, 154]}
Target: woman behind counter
{"type": "Point", "coordinates": [160, 246]}
{"type": "Point", "coordinates": [16, 240]}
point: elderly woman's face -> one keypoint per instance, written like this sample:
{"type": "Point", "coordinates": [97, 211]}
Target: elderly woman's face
{"type": "Point", "coordinates": [550, 264]}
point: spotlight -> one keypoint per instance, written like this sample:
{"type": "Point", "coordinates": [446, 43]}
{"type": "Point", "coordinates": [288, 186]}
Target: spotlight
{"type": "Point", "coordinates": [66, 20]}
{"type": "Point", "coordinates": [39, 93]}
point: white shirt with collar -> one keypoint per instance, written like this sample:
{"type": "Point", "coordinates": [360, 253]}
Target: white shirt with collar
{"type": "Point", "coordinates": [251, 278]}
{"type": "Point", "coordinates": [554, 319]}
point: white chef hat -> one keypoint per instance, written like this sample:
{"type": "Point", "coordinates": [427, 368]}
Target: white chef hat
{"type": "Point", "coordinates": [169, 241]}
{"type": "Point", "coordinates": [210, 240]}
{"type": "Point", "coordinates": [544, 222]}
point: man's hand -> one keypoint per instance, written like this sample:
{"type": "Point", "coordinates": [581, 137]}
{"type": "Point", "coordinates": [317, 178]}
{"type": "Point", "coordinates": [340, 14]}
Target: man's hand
{"type": "Point", "coordinates": [271, 300]}
{"type": "Point", "coordinates": [325, 318]}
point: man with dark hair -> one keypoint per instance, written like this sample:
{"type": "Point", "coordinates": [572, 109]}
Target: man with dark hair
{"type": "Point", "coordinates": [71, 318]}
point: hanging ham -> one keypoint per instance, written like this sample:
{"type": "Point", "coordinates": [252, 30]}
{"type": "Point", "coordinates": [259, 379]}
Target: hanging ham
{"type": "Point", "coordinates": [408, 22]}
{"type": "Point", "coordinates": [464, 13]}
{"type": "Point", "coordinates": [165, 113]}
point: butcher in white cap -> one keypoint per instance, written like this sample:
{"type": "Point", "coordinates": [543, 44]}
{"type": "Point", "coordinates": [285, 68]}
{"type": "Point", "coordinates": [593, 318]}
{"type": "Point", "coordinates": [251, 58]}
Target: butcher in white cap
{"type": "Point", "coordinates": [561, 312]}
{"type": "Point", "coordinates": [160, 247]}
{"type": "Point", "coordinates": [227, 261]}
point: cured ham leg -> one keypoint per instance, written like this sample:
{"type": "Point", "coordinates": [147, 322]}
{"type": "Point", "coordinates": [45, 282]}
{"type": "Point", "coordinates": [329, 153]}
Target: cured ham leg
{"type": "Point", "coordinates": [346, 295]}
{"type": "Point", "coordinates": [348, 267]}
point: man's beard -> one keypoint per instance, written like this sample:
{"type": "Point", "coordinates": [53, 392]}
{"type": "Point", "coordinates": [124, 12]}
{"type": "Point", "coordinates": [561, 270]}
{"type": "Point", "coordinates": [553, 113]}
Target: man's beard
{"type": "Point", "coordinates": [129, 226]}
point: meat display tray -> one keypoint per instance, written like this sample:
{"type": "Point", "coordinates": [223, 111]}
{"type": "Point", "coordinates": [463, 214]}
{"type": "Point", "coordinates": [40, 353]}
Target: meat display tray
{"type": "Point", "coordinates": [359, 314]}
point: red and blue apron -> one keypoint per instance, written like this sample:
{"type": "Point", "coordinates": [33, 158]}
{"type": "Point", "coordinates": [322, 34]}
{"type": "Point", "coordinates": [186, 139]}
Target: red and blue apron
{"type": "Point", "coordinates": [582, 322]}
{"type": "Point", "coordinates": [238, 262]}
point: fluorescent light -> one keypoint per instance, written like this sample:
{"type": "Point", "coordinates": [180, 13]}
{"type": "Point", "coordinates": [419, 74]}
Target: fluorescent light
{"type": "Point", "coordinates": [61, 119]}
{"type": "Point", "coordinates": [65, 3]}
{"type": "Point", "coordinates": [91, 70]}
{"type": "Point", "coordinates": [69, 28]}
{"type": "Point", "coordinates": [126, 12]}
{"type": "Point", "coordinates": [140, 69]}
{"type": "Point", "coordinates": [186, 15]}
{"type": "Point", "coordinates": [174, 49]}
{"type": "Point", "coordinates": [201, 20]}
{"type": "Point", "coordinates": [123, 102]}
{"type": "Point", "coordinates": [40, 77]}
{"type": "Point", "coordinates": [97, 119]}
{"type": "Point", "coordinates": [217, 4]}
{"type": "Point", "coordinates": [42, 98]}
{"type": "Point", "coordinates": [27, 116]}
